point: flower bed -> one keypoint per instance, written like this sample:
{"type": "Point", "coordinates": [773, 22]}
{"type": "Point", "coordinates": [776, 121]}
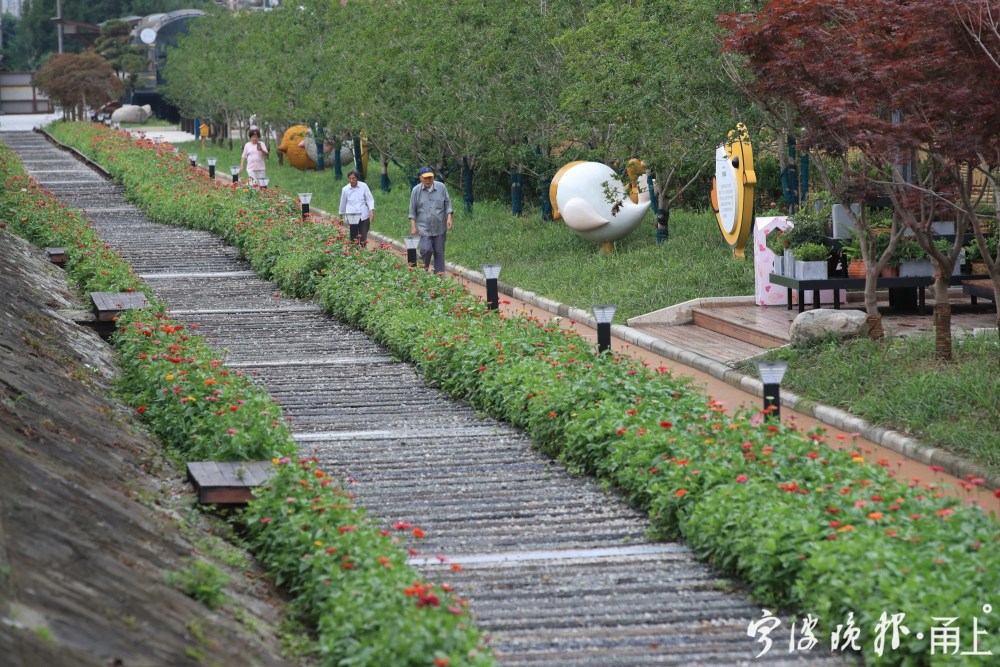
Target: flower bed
{"type": "Point", "coordinates": [348, 575]}
{"type": "Point", "coordinates": [811, 527]}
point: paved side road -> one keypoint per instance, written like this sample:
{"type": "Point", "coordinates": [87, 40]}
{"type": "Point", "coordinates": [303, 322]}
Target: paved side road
{"type": "Point", "coordinates": [556, 569]}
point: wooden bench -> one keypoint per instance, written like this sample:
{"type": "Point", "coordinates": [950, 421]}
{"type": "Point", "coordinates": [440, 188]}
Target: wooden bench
{"type": "Point", "coordinates": [981, 289]}
{"type": "Point", "coordinates": [109, 304]}
{"type": "Point", "coordinates": [227, 483]}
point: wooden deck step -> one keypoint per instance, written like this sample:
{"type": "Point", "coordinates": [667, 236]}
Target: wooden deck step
{"type": "Point", "coordinates": [711, 344]}
{"type": "Point", "coordinates": [729, 322]}
{"type": "Point", "coordinates": [227, 483]}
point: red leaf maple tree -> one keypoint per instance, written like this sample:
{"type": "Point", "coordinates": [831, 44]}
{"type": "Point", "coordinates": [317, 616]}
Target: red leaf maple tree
{"type": "Point", "coordinates": [904, 94]}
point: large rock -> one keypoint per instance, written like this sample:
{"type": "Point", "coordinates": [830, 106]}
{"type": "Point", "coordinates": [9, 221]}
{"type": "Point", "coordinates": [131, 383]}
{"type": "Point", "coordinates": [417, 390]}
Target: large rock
{"type": "Point", "coordinates": [131, 113]}
{"type": "Point", "coordinates": [825, 322]}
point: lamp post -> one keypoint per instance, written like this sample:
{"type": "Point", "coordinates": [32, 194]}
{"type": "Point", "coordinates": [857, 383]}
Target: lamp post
{"type": "Point", "coordinates": [263, 181]}
{"type": "Point", "coordinates": [412, 242]}
{"type": "Point", "coordinates": [235, 171]}
{"type": "Point", "coordinates": [194, 159]}
{"type": "Point", "coordinates": [492, 272]}
{"type": "Point", "coordinates": [352, 222]}
{"type": "Point", "coordinates": [211, 167]}
{"type": "Point", "coordinates": [177, 149]}
{"type": "Point", "coordinates": [771, 373]}
{"type": "Point", "coordinates": [305, 198]}
{"type": "Point", "coordinates": [100, 118]}
{"type": "Point", "coordinates": [604, 314]}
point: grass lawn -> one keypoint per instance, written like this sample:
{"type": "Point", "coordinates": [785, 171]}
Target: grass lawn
{"type": "Point", "coordinates": [897, 382]}
{"type": "Point", "coordinates": [547, 257]}
{"type": "Point", "coordinates": [893, 383]}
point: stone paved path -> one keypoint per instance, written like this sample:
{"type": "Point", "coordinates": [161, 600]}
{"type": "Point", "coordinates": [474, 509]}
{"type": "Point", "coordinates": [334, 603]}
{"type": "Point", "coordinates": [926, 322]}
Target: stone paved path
{"type": "Point", "coordinates": [557, 570]}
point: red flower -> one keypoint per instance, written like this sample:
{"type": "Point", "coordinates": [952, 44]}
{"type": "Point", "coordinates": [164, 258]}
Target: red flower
{"type": "Point", "coordinates": [141, 409]}
{"type": "Point", "coordinates": [621, 431]}
{"type": "Point", "coordinates": [665, 425]}
{"type": "Point", "coordinates": [418, 533]}
{"type": "Point", "coordinates": [443, 662]}
{"type": "Point", "coordinates": [680, 492]}
{"type": "Point", "coordinates": [266, 520]}
{"type": "Point", "coordinates": [740, 479]}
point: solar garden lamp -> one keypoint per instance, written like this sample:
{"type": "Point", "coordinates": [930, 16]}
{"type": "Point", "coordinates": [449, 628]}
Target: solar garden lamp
{"type": "Point", "coordinates": [194, 159]}
{"type": "Point", "coordinates": [177, 149]}
{"type": "Point", "coordinates": [235, 171]}
{"type": "Point", "coordinates": [118, 126]}
{"type": "Point", "coordinates": [412, 242]}
{"type": "Point", "coordinates": [353, 220]}
{"type": "Point", "coordinates": [604, 314]}
{"type": "Point", "coordinates": [107, 121]}
{"type": "Point", "coordinates": [211, 167]}
{"type": "Point", "coordinates": [771, 373]}
{"type": "Point", "coordinates": [304, 199]}
{"type": "Point", "coordinates": [492, 272]}
{"type": "Point", "coordinates": [100, 118]}
{"type": "Point", "coordinates": [263, 181]}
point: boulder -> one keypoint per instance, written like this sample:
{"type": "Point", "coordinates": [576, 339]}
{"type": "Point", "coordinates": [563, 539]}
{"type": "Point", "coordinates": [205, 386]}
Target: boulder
{"type": "Point", "coordinates": [825, 322]}
{"type": "Point", "coordinates": [130, 113]}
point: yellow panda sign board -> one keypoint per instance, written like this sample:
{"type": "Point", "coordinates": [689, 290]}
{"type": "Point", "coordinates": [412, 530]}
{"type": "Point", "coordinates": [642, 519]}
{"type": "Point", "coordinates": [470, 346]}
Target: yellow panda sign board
{"type": "Point", "coordinates": [733, 188]}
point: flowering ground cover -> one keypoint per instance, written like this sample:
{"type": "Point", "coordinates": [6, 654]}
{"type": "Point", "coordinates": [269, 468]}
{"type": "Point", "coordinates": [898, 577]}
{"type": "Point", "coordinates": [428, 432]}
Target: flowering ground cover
{"type": "Point", "coordinates": [347, 573]}
{"type": "Point", "coordinates": [810, 527]}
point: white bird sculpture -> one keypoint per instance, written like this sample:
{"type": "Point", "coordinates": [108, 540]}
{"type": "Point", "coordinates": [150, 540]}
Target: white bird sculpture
{"type": "Point", "coordinates": [591, 199]}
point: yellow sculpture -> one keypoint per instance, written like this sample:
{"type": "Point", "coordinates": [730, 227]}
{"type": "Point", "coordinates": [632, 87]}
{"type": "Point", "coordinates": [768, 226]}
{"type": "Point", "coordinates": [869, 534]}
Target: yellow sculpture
{"type": "Point", "coordinates": [293, 149]}
{"type": "Point", "coordinates": [733, 188]}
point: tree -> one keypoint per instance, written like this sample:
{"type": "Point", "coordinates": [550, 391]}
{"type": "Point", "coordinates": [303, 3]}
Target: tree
{"type": "Point", "coordinates": [646, 80]}
{"type": "Point", "coordinates": [78, 81]}
{"type": "Point", "coordinates": [899, 84]}
{"type": "Point", "coordinates": [115, 46]}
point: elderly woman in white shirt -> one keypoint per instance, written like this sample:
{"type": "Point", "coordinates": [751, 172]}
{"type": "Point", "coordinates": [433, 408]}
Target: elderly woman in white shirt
{"type": "Point", "coordinates": [356, 200]}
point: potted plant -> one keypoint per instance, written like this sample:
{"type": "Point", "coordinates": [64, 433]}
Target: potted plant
{"type": "Point", "coordinates": [776, 243]}
{"type": "Point", "coordinates": [974, 255]}
{"type": "Point", "coordinates": [913, 260]}
{"type": "Point", "coordinates": [811, 261]}
{"type": "Point", "coordinates": [850, 252]}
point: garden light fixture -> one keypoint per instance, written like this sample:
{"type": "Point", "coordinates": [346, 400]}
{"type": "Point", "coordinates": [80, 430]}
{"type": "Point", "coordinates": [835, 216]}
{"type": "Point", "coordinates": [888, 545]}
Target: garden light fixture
{"type": "Point", "coordinates": [604, 314]}
{"type": "Point", "coordinates": [262, 182]}
{"type": "Point", "coordinates": [492, 272]}
{"type": "Point", "coordinates": [211, 167]}
{"type": "Point", "coordinates": [235, 171]}
{"type": "Point", "coordinates": [771, 373]}
{"type": "Point", "coordinates": [412, 242]}
{"type": "Point", "coordinates": [304, 199]}
{"type": "Point", "coordinates": [194, 159]}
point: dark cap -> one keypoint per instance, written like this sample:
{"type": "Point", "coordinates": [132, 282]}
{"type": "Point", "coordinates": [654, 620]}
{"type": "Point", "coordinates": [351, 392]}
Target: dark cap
{"type": "Point", "coordinates": [425, 171]}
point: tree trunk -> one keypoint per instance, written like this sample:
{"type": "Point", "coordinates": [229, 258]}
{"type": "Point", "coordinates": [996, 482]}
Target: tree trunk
{"type": "Point", "coordinates": [875, 330]}
{"type": "Point", "coordinates": [942, 319]}
{"type": "Point", "coordinates": [467, 196]}
{"type": "Point", "coordinates": [662, 214]}
{"type": "Point", "coordinates": [516, 191]}
{"type": "Point", "coordinates": [384, 183]}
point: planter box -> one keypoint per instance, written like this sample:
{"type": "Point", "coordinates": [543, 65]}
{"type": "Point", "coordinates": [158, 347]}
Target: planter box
{"type": "Point", "coordinates": [812, 270]}
{"type": "Point", "coordinates": [843, 226]}
{"type": "Point", "coordinates": [916, 267]}
{"type": "Point", "coordinates": [779, 262]}
{"type": "Point", "coordinates": [789, 264]}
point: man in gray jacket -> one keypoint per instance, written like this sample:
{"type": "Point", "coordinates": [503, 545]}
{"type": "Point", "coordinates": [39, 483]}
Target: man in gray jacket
{"type": "Point", "coordinates": [430, 216]}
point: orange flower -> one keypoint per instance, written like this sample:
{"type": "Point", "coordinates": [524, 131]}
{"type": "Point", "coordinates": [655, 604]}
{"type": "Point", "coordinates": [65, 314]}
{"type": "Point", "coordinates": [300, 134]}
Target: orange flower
{"type": "Point", "coordinates": [680, 492]}
{"type": "Point", "coordinates": [875, 516]}
{"type": "Point", "coordinates": [418, 533]}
